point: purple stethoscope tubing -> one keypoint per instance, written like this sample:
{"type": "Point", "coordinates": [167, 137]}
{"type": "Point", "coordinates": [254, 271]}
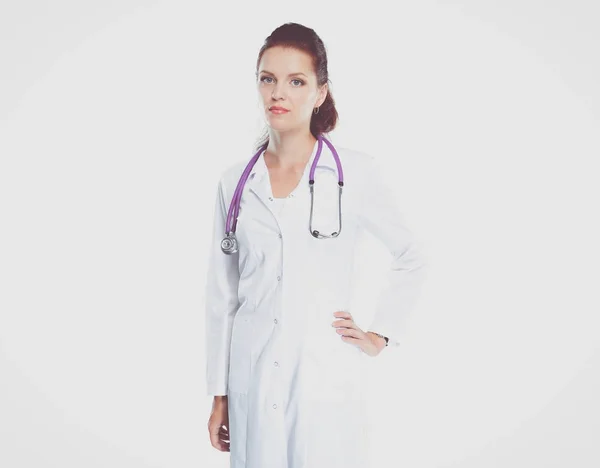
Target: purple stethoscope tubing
{"type": "Point", "coordinates": [229, 243]}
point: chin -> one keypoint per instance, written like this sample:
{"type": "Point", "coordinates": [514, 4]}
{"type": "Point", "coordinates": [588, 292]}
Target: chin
{"type": "Point", "coordinates": [276, 124]}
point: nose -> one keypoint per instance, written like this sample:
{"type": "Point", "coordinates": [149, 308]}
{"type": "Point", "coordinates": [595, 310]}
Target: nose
{"type": "Point", "coordinates": [277, 91]}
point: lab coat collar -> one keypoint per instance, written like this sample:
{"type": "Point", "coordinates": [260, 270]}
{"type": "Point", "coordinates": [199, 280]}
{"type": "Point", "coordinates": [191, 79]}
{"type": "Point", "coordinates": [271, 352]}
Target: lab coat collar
{"type": "Point", "coordinates": [259, 182]}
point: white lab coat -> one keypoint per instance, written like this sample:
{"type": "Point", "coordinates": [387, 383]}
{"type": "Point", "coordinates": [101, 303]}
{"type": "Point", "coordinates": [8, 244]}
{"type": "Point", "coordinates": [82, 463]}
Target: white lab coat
{"type": "Point", "coordinates": [294, 387]}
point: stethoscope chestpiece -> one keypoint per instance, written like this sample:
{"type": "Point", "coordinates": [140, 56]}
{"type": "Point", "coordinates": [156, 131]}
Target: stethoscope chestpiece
{"type": "Point", "coordinates": [229, 244]}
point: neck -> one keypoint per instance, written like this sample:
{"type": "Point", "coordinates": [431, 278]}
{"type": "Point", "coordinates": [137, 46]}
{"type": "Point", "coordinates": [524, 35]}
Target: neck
{"type": "Point", "coordinates": [289, 150]}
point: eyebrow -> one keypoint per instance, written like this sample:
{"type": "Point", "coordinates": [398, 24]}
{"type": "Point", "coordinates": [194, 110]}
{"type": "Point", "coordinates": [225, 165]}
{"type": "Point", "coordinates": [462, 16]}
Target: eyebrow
{"type": "Point", "coordinates": [291, 74]}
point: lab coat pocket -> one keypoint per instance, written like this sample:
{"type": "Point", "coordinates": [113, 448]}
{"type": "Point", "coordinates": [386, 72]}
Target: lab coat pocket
{"type": "Point", "coordinates": [240, 364]}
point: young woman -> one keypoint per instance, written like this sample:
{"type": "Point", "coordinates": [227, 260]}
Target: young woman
{"type": "Point", "coordinates": [284, 355]}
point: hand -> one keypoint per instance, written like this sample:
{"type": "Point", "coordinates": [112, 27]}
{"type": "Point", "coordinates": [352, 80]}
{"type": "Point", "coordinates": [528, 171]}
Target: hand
{"type": "Point", "coordinates": [218, 424]}
{"type": "Point", "coordinates": [368, 342]}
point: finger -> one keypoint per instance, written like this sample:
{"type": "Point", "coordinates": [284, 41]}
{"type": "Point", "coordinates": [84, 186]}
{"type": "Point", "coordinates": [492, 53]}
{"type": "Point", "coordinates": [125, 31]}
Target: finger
{"type": "Point", "coordinates": [351, 324]}
{"type": "Point", "coordinates": [342, 314]}
{"type": "Point", "coordinates": [339, 323]}
{"type": "Point", "coordinates": [352, 340]}
{"type": "Point", "coordinates": [350, 332]}
{"type": "Point", "coordinates": [222, 445]}
{"type": "Point", "coordinates": [344, 323]}
{"type": "Point", "coordinates": [216, 438]}
{"type": "Point", "coordinates": [224, 439]}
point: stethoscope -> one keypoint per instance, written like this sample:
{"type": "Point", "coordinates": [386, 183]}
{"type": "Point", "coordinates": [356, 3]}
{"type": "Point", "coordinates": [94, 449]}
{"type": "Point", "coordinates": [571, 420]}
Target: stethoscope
{"type": "Point", "coordinates": [229, 244]}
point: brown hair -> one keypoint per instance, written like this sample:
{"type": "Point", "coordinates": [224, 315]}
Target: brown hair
{"type": "Point", "coordinates": [297, 36]}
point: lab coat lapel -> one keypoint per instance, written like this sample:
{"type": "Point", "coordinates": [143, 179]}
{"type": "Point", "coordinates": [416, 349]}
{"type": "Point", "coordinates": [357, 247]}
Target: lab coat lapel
{"type": "Point", "coordinates": [260, 185]}
{"type": "Point", "coordinates": [259, 182]}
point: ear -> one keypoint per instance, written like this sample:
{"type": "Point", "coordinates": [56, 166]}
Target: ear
{"type": "Point", "coordinates": [322, 94]}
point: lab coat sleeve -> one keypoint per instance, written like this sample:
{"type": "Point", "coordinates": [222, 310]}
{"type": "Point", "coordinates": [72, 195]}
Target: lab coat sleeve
{"type": "Point", "coordinates": [221, 301]}
{"type": "Point", "coordinates": [380, 215]}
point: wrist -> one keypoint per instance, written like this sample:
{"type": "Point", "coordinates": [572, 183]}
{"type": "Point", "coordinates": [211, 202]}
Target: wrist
{"type": "Point", "coordinates": [379, 340]}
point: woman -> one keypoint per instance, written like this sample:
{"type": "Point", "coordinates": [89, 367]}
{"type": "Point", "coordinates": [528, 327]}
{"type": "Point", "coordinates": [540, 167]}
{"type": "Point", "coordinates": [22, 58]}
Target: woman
{"type": "Point", "coordinates": [284, 355]}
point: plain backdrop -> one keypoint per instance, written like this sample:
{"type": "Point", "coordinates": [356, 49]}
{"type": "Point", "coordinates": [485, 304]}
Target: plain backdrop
{"type": "Point", "coordinates": [116, 121]}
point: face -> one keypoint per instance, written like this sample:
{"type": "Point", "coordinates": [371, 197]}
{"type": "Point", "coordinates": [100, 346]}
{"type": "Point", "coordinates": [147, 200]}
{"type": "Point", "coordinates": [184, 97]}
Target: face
{"type": "Point", "coordinates": [286, 79]}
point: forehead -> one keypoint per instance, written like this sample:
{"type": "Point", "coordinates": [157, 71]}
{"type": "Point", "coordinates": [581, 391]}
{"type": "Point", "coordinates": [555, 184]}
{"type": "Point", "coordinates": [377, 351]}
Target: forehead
{"type": "Point", "coordinates": [284, 60]}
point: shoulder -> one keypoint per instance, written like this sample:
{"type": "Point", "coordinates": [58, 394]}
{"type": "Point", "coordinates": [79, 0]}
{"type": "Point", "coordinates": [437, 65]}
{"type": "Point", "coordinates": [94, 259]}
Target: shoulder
{"type": "Point", "coordinates": [353, 157]}
{"type": "Point", "coordinates": [358, 166]}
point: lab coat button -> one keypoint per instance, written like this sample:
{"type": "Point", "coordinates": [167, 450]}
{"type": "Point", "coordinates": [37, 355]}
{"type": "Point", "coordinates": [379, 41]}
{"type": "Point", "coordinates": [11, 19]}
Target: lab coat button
{"type": "Point", "coordinates": [271, 198]}
{"type": "Point", "coordinates": [280, 235]}
{"type": "Point", "coordinates": [278, 278]}
{"type": "Point", "coordinates": [276, 364]}
{"type": "Point", "coordinates": [275, 321]}
{"type": "Point", "coordinates": [274, 406]}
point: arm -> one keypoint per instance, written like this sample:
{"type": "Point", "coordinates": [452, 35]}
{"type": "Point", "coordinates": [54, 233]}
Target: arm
{"type": "Point", "coordinates": [221, 302]}
{"type": "Point", "coordinates": [381, 216]}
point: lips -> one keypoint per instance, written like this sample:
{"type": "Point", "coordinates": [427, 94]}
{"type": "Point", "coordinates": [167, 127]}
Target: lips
{"type": "Point", "coordinates": [278, 109]}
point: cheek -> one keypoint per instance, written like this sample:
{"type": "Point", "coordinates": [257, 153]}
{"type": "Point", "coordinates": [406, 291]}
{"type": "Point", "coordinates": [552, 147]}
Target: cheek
{"type": "Point", "coordinates": [262, 95]}
{"type": "Point", "coordinates": [308, 102]}
{"type": "Point", "coordinates": [302, 107]}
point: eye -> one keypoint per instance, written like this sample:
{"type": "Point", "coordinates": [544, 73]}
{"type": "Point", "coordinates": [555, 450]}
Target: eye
{"type": "Point", "coordinates": [301, 83]}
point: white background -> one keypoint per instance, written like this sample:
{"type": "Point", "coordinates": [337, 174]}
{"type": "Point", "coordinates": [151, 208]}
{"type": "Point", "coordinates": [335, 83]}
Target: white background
{"type": "Point", "coordinates": [116, 120]}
